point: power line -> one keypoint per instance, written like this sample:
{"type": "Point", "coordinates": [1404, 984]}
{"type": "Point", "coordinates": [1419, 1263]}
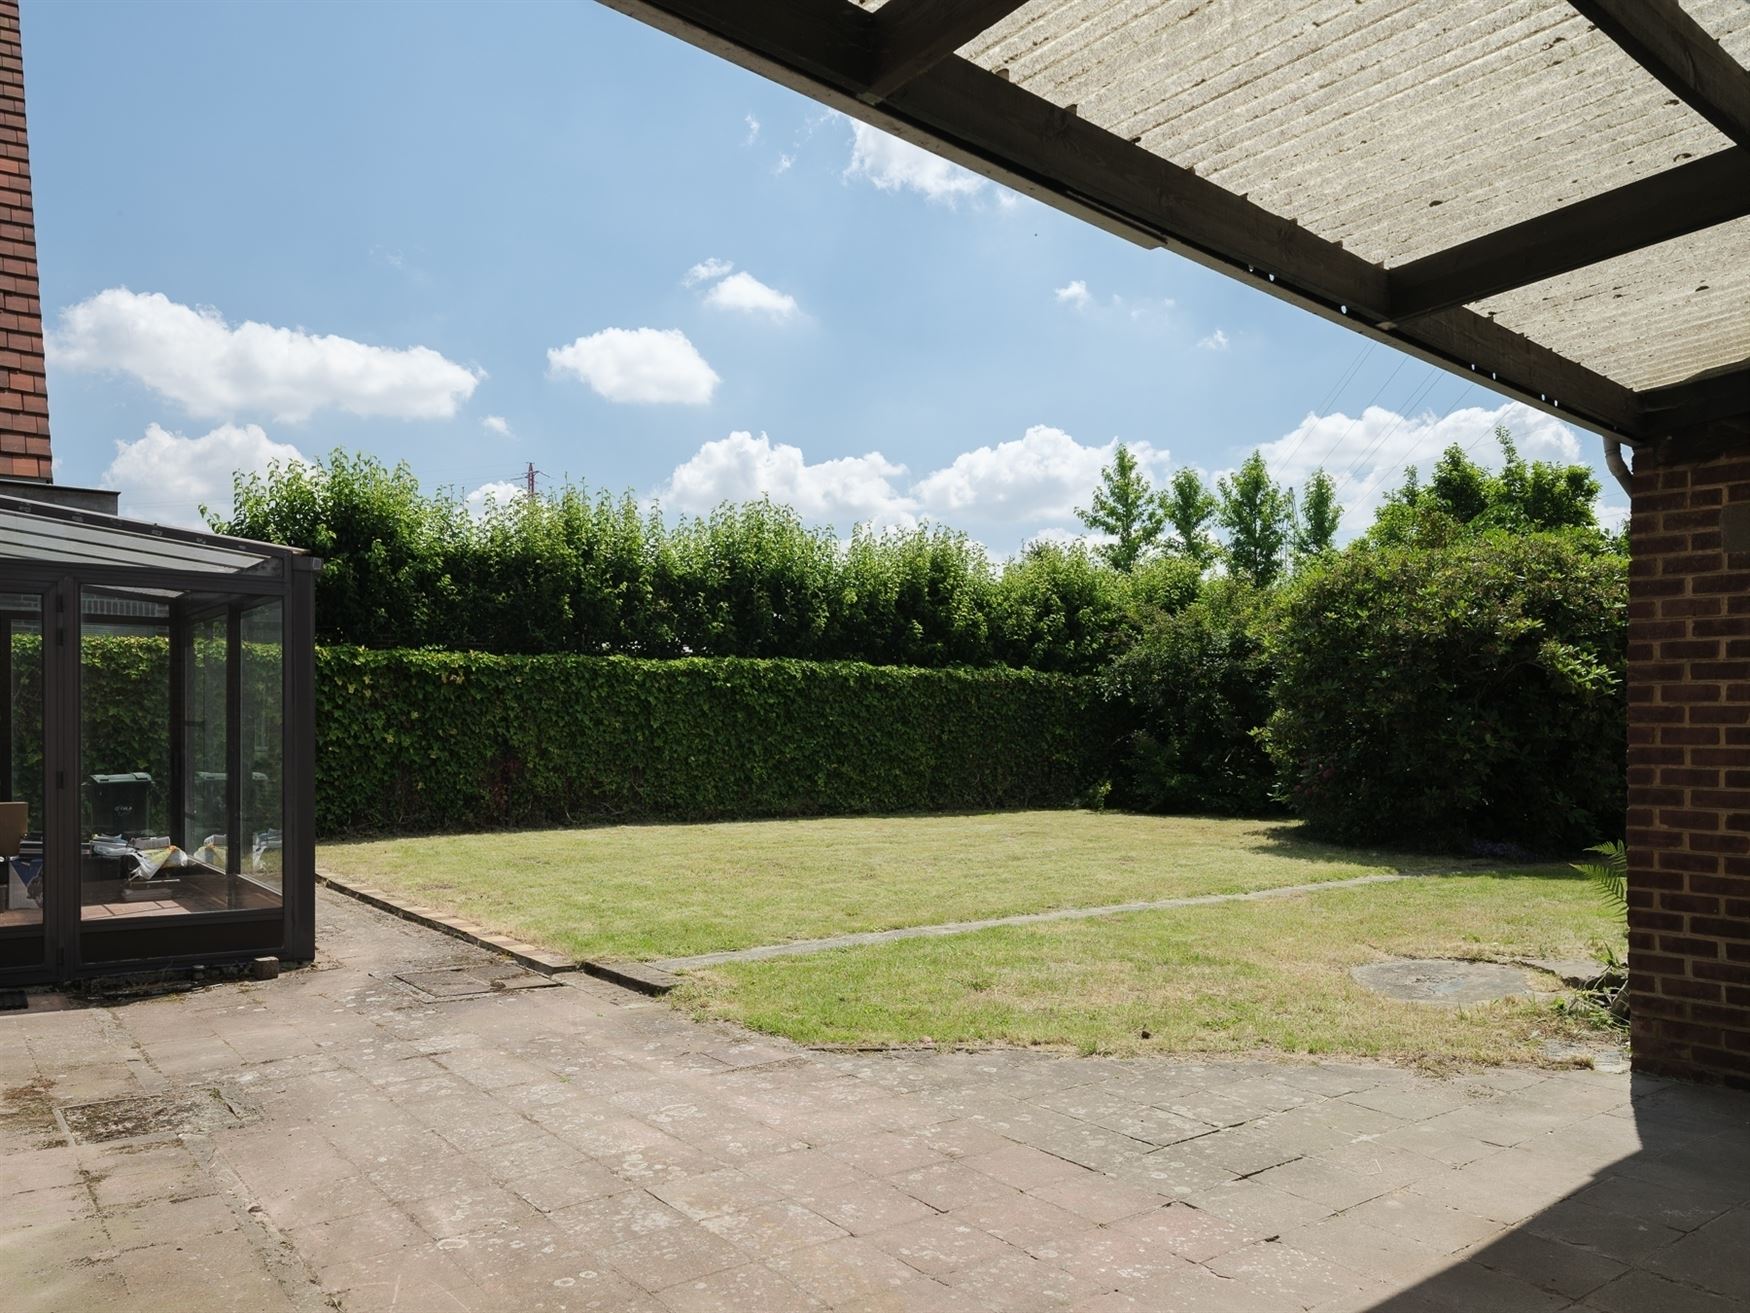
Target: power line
{"type": "Point", "coordinates": [1363, 411]}
{"type": "Point", "coordinates": [1463, 387]}
{"type": "Point", "coordinates": [1331, 397]}
{"type": "Point", "coordinates": [1417, 396]}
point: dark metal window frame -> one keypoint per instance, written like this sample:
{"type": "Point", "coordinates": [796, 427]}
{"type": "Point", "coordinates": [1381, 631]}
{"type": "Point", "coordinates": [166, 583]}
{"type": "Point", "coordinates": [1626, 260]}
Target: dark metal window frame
{"type": "Point", "coordinates": [72, 947]}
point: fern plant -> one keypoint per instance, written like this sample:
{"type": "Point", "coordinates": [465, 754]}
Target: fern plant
{"type": "Point", "coordinates": [1610, 876]}
{"type": "Point", "coordinates": [1607, 997]}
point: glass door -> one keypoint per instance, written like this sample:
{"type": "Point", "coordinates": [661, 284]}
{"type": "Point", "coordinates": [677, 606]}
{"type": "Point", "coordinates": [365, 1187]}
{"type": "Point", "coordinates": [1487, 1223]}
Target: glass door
{"type": "Point", "coordinates": [179, 778]}
{"type": "Point", "coordinates": [25, 786]}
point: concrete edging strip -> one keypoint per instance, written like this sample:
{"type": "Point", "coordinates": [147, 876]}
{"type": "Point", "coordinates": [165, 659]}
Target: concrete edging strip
{"type": "Point", "coordinates": [800, 947]}
{"type": "Point", "coordinates": [525, 955]}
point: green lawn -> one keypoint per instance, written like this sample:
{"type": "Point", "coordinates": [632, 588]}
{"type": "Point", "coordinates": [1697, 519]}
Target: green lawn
{"type": "Point", "coordinates": [654, 891]}
{"type": "Point", "coordinates": [1236, 977]}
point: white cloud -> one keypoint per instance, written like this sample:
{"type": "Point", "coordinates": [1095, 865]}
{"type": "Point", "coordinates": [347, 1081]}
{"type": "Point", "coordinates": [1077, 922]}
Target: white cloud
{"type": "Point", "coordinates": [784, 164]}
{"type": "Point", "coordinates": [744, 292]}
{"type": "Point", "coordinates": [167, 477]}
{"type": "Point", "coordinates": [707, 270]}
{"type": "Point", "coordinates": [212, 369]}
{"type": "Point", "coordinates": [500, 493]}
{"type": "Point", "coordinates": [742, 467]}
{"type": "Point", "coordinates": [1075, 294]}
{"type": "Point", "coordinates": [1216, 341]}
{"type": "Point", "coordinates": [753, 130]}
{"type": "Point", "coordinates": [1019, 491]}
{"type": "Point", "coordinates": [496, 424]}
{"type": "Point", "coordinates": [1367, 453]}
{"type": "Point", "coordinates": [638, 365]}
{"type": "Point", "coordinates": [1041, 476]}
{"type": "Point", "coordinates": [894, 165]}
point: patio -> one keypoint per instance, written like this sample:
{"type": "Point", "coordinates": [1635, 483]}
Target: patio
{"type": "Point", "coordinates": [390, 1132]}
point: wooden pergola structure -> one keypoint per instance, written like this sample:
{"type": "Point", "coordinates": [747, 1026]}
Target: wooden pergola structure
{"type": "Point", "coordinates": [1551, 197]}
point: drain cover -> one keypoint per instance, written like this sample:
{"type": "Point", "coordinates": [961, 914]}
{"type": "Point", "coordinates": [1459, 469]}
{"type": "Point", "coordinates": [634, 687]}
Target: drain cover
{"type": "Point", "coordinates": [472, 981]}
{"type": "Point", "coordinates": [1443, 980]}
{"type": "Point", "coordinates": [191, 1112]}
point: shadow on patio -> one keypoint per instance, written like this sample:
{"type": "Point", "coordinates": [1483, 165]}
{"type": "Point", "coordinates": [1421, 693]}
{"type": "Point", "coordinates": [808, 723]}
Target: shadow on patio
{"type": "Point", "coordinates": [1663, 1229]}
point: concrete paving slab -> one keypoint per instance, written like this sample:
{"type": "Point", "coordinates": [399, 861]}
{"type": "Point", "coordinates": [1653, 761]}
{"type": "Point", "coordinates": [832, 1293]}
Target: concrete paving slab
{"type": "Point", "coordinates": [576, 1147]}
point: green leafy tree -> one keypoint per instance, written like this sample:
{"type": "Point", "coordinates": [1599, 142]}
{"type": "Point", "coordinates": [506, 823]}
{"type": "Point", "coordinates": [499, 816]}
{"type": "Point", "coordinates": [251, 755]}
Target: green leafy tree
{"type": "Point", "coordinates": [1190, 509]}
{"type": "Point", "coordinates": [1258, 516]}
{"type": "Point", "coordinates": [1127, 508]}
{"type": "Point", "coordinates": [1192, 695]}
{"type": "Point", "coordinates": [1462, 499]}
{"type": "Point", "coordinates": [1315, 528]}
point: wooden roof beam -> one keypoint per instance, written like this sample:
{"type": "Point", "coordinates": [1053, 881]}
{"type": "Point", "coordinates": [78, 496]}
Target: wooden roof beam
{"type": "Point", "coordinates": [1663, 39]}
{"type": "Point", "coordinates": [913, 36]}
{"type": "Point", "coordinates": [1679, 201]}
{"type": "Point", "coordinates": [1720, 394]}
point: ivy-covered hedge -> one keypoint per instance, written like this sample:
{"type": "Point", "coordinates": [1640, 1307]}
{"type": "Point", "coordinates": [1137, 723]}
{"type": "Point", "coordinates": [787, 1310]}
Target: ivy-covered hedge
{"type": "Point", "coordinates": [425, 740]}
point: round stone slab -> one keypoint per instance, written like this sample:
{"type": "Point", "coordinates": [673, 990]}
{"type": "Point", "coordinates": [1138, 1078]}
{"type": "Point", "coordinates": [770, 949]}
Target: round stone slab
{"type": "Point", "coordinates": [1443, 981]}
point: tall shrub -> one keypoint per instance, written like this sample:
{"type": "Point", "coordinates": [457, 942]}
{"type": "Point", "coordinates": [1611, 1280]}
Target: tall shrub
{"type": "Point", "coordinates": [1192, 694]}
{"type": "Point", "coordinates": [1438, 696]}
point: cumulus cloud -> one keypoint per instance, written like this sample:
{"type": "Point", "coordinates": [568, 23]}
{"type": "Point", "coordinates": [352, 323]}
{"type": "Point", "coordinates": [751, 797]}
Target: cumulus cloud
{"type": "Point", "coordinates": [1013, 492]}
{"type": "Point", "coordinates": [742, 467]}
{"type": "Point", "coordinates": [498, 493]}
{"type": "Point", "coordinates": [707, 270]}
{"type": "Point", "coordinates": [638, 365]}
{"type": "Point", "coordinates": [1039, 477]}
{"type": "Point", "coordinates": [215, 369]}
{"type": "Point", "coordinates": [1367, 453]}
{"type": "Point", "coordinates": [496, 424]}
{"type": "Point", "coordinates": [1076, 294]}
{"type": "Point", "coordinates": [1216, 341]}
{"type": "Point", "coordinates": [784, 165]}
{"type": "Point", "coordinates": [895, 165]}
{"type": "Point", "coordinates": [742, 291]}
{"type": "Point", "coordinates": [753, 130]}
{"type": "Point", "coordinates": [167, 478]}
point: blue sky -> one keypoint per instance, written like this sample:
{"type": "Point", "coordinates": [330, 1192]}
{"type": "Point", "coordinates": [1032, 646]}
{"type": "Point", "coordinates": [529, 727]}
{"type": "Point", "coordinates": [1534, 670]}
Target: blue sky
{"type": "Point", "coordinates": [474, 237]}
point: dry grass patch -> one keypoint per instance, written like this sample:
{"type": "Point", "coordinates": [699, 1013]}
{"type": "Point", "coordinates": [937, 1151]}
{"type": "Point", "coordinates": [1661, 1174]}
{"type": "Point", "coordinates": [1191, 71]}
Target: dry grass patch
{"type": "Point", "coordinates": [1235, 977]}
{"type": "Point", "coordinates": [653, 891]}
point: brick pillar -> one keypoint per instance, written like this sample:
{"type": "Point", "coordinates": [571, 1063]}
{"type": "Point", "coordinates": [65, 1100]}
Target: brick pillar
{"type": "Point", "coordinates": [1689, 767]}
{"type": "Point", "coordinates": [24, 397]}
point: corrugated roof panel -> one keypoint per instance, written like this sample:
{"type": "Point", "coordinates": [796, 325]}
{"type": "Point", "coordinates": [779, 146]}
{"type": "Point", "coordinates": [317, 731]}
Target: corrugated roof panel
{"type": "Point", "coordinates": [1648, 319]}
{"type": "Point", "coordinates": [1397, 127]}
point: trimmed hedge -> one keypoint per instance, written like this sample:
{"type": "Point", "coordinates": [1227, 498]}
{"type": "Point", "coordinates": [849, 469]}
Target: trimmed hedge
{"type": "Point", "coordinates": [421, 740]}
{"type": "Point", "coordinates": [425, 740]}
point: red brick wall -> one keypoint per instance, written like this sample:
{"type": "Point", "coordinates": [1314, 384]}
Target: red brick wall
{"type": "Point", "coordinates": [1689, 772]}
{"type": "Point", "coordinates": [24, 397]}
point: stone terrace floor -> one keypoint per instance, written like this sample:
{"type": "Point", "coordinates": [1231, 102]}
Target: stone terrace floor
{"type": "Point", "coordinates": [335, 1138]}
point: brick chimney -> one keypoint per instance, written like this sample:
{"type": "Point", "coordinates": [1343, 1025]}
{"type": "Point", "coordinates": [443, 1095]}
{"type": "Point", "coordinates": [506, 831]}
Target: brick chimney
{"type": "Point", "coordinates": [24, 397]}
